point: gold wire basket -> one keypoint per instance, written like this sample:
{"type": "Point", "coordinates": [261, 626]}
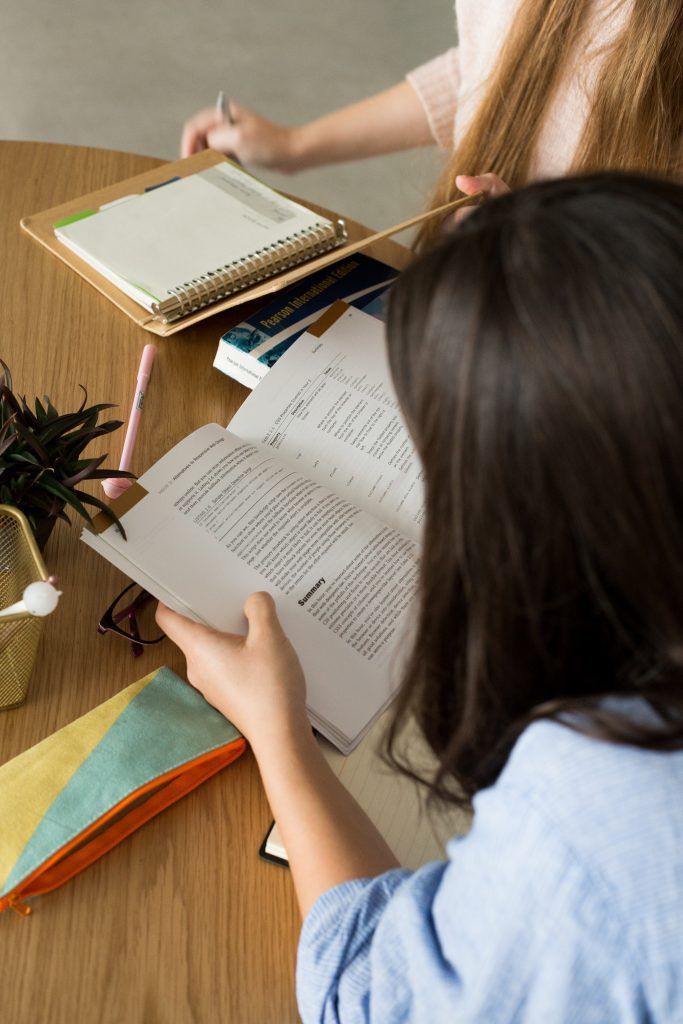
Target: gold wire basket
{"type": "Point", "coordinates": [20, 564]}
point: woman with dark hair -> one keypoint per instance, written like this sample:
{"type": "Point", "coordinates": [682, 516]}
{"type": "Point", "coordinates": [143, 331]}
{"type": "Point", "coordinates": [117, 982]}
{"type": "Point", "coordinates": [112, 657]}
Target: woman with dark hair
{"type": "Point", "coordinates": [538, 358]}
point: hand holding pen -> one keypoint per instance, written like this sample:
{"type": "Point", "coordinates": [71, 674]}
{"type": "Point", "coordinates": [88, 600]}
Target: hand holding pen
{"type": "Point", "coordinates": [209, 120]}
{"type": "Point", "coordinates": [244, 136]}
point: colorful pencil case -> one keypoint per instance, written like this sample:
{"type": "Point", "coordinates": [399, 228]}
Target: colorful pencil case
{"type": "Point", "coordinates": [71, 798]}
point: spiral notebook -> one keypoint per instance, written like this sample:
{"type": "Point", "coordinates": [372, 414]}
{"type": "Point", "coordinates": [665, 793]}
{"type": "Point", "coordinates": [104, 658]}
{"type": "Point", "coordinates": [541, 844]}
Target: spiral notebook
{"type": "Point", "coordinates": [191, 241]}
{"type": "Point", "coordinates": [155, 244]}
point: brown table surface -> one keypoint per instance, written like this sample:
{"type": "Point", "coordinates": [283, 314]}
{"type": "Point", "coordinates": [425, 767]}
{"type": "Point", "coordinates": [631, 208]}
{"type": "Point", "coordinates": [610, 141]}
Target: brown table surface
{"type": "Point", "coordinates": [182, 922]}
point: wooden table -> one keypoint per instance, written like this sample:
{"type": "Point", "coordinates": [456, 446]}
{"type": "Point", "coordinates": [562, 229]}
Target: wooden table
{"type": "Point", "coordinates": [182, 922]}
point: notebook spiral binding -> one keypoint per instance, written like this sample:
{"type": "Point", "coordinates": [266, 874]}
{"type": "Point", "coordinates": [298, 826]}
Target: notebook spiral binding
{"type": "Point", "coordinates": [242, 273]}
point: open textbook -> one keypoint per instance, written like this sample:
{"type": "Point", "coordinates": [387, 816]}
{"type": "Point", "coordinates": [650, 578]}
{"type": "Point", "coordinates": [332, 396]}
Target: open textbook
{"type": "Point", "coordinates": [314, 493]}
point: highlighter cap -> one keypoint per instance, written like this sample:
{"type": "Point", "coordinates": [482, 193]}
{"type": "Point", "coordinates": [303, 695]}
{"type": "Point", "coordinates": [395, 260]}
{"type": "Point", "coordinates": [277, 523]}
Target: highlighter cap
{"type": "Point", "coordinates": [114, 486]}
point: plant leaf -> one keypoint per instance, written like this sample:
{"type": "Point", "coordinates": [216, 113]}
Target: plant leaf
{"type": "Point", "coordinates": [28, 418]}
{"type": "Point", "coordinates": [52, 412]}
{"type": "Point", "coordinates": [6, 375]}
{"type": "Point", "coordinates": [25, 457]}
{"type": "Point", "coordinates": [83, 473]}
{"type": "Point", "coordinates": [40, 452]}
{"type": "Point", "coordinates": [9, 397]}
{"type": "Point", "coordinates": [5, 427]}
{"type": "Point", "coordinates": [53, 486]}
{"type": "Point", "coordinates": [63, 424]}
{"type": "Point", "coordinates": [82, 437]}
{"type": "Point", "coordinates": [107, 474]}
{"type": "Point", "coordinates": [32, 441]}
{"type": "Point", "coordinates": [42, 414]}
{"type": "Point", "coordinates": [5, 441]}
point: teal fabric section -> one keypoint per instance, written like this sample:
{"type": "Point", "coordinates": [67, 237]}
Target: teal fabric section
{"type": "Point", "coordinates": [168, 724]}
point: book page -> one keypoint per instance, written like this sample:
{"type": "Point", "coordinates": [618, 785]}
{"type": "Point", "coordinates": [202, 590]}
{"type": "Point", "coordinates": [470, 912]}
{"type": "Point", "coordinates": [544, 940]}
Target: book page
{"type": "Point", "coordinates": [223, 518]}
{"type": "Point", "coordinates": [328, 407]}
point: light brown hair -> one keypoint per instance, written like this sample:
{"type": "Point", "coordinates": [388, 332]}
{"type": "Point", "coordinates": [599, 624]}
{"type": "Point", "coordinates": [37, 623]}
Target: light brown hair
{"type": "Point", "coordinates": [636, 115]}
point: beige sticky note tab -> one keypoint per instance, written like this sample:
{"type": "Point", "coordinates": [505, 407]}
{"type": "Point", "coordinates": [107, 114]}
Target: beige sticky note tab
{"type": "Point", "coordinates": [128, 500]}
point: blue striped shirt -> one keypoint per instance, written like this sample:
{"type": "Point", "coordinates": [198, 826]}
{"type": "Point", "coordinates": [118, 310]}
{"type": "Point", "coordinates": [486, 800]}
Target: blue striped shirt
{"type": "Point", "coordinates": [563, 904]}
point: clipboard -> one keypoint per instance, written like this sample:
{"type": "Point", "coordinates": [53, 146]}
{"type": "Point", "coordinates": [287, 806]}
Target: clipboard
{"type": "Point", "coordinates": [40, 227]}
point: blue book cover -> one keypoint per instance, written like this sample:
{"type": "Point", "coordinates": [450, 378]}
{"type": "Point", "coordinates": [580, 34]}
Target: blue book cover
{"type": "Point", "coordinates": [247, 351]}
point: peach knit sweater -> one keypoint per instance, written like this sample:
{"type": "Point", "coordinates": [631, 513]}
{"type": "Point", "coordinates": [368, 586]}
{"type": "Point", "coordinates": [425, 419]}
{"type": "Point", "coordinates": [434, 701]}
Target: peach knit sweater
{"type": "Point", "coordinates": [451, 86]}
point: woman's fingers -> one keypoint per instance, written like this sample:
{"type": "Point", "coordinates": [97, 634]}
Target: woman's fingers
{"type": "Point", "coordinates": [225, 138]}
{"type": "Point", "coordinates": [189, 635]}
{"type": "Point", "coordinates": [195, 131]}
{"type": "Point", "coordinates": [259, 609]}
{"type": "Point", "coordinates": [490, 184]}
{"type": "Point", "coordinates": [181, 630]}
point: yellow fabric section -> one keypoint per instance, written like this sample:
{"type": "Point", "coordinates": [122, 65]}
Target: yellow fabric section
{"type": "Point", "coordinates": [30, 782]}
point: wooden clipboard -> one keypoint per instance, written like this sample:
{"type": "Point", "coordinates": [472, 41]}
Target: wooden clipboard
{"type": "Point", "coordinates": [40, 226]}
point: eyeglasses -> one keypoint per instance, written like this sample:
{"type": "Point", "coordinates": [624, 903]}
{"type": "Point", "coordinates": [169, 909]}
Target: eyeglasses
{"type": "Point", "coordinates": [131, 616]}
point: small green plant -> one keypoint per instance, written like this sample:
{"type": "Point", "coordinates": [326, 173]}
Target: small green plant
{"type": "Point", "coordinates": [40, 458]}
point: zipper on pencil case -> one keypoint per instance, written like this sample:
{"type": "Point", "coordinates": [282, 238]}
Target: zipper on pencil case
{"type": "Point", "coordinates": [22, 909]}
{"type": "Point", "coordinates": [103, 835]}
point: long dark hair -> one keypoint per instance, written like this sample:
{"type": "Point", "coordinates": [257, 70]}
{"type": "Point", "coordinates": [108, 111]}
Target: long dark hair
{"type": "Point", "coordinates": [538, 358]}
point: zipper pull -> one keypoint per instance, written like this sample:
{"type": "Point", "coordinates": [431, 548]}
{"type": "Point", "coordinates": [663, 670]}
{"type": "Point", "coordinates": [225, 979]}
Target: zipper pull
{"type": "Point", "coordinates": [20, 908]}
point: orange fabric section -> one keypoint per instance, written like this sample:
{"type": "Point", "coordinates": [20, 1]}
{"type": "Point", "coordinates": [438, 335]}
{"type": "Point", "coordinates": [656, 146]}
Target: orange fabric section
{"type": "Point", "coordinates": [69, 861]}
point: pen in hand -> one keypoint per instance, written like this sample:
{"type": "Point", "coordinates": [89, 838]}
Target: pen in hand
{"type": "Point", "coordinates": [224, 111]}
{"type": "Point", "coordinates": [223, 108]}
{"type": "Point", "coordinates": [113, 487]}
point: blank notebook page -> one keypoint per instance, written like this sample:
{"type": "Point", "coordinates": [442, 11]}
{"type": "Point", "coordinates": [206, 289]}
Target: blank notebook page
{"type": "Point", "coordinates": [167, 237]}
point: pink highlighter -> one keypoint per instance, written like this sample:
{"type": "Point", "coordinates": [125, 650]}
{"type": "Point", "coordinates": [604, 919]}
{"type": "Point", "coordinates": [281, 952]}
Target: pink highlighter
{"type": "Point", "coordinates": [113, 487]}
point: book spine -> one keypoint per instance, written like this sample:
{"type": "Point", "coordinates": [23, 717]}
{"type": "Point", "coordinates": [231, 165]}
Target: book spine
{"type": "Point", "coordinates": [240, 274]}
{"type": "Point", "coordinates": [241, 366]}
